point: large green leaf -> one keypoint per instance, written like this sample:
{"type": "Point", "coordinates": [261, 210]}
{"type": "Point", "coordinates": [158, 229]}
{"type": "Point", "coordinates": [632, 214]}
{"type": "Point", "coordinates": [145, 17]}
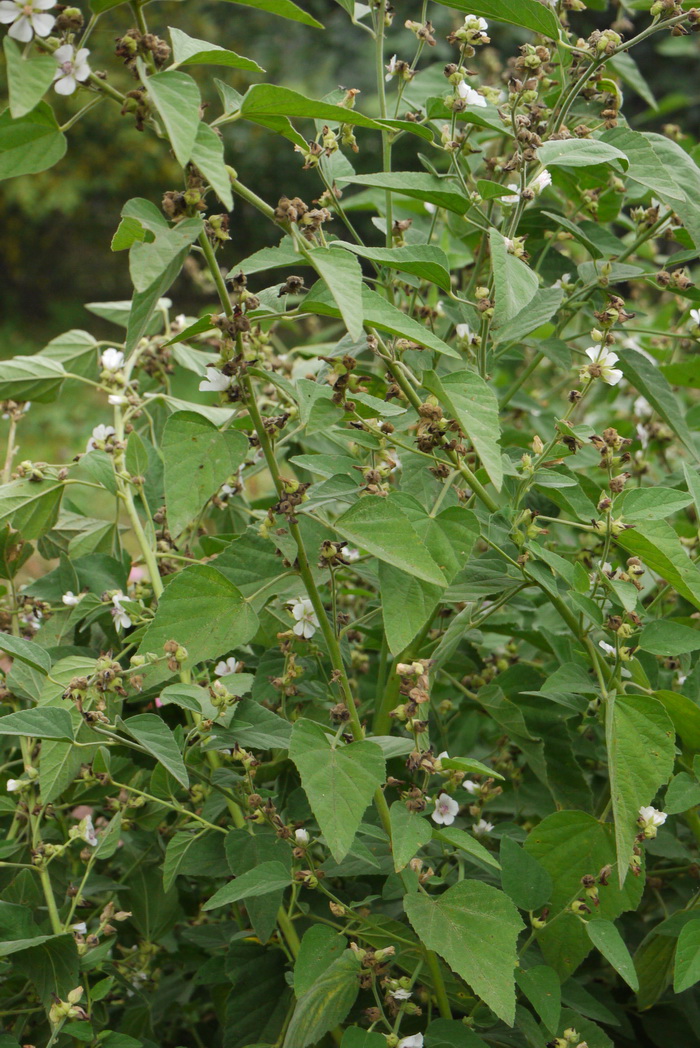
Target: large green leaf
{"type": "Point", "coordinates": [528, 14]}
{"type": "Point", "coordinates": [607, 939]}
{"type": "Point", "coordinates": [641, 750]}
{"type": "Point", "coordinates": [381, 526]}
{"type": "Point", "coordinates": [343, 276]}
{"type": "Point", "coordinates": [247, 851]}
{"type": "Point", "coordinates": [685, 715]}
{"type": "Point", "coordinates": [579, 152]}
{"type": "Point", "coordinates": [523, 878]}
{"type": "Point", "coordinates": [26, 651]}
{"type": "Point", "coordinates": [542, 988]}
{"type": "Point", "coordinates": [266, 100]}
{"type": "Point", "coordinates": [198, 458]}
{"type": "Point", "coordinates": [282, 8]}
{"type": "Point", "coordinates": [515, 283]}
{"type": "Point", "coordinates": [475, 928]}
{"type": "Point", "coordinates": [320, 946]}
{"type": "Point", "coordinates": [149, 261]}
{"type": "Point", "coordinates": [208, 155]}
{"type": "Point", "coordinates": [30, 144]}
{"type": "Point", "coordinates": [657, 544]}
{"type": "Point", "coordinates": [31, 378]}
{"type": "Point", "coordinates": [667, 638]}
{"type": "Point", "coordinates": [29, 76]}
{"type": "Point", "coordinates": [571, 845]}
{"type": "Point", "coordinates": [465, 842]}
{"type": "Point", "coordinates": [265, 878]}
{"type": "Point", "coordinates": [380, 314]}
{"type": "Point", "coordinates": [203, 611]}
{"type": "Point", "coordinates": [326, 1003]}
{"type": "Point", "coordinates": [687, 966]}
{"type": "Point", "coordinates": [473, 403]}
{"type": "Point", "coordinates": [409, 832]}
{"type": "Point", "coordinates": [176, 98]}
{"type": "Point", "coordinates": [259, 1002]}
{"type": "Point", "coordinates": [155, 736]}
{"type": "Point", "coordinates": [51, 964]}
{"type": "Point", "coordinates": [187, 50]}
{"type": "Point", "coordinates": [422, 260]}
{"type": "Point", "coordinates": [338, 780]}
{"type": "Point", "coordinates": [42, 722]}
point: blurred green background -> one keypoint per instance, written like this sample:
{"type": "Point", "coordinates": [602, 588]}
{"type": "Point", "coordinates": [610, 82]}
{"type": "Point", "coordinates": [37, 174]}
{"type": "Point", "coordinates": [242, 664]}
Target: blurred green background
{"type": "Point", "coordinates": [56, 227]}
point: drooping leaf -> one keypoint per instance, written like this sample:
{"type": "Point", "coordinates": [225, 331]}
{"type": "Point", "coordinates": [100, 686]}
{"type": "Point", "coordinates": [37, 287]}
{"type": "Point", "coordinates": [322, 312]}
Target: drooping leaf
{"type": "Point", "coordinates": [265, 878]}
{"type": "Point", "coordinates": [658, 545]}
{"type": "Point", "coordinates": [343, 276]}
{"type": "Point", "coordinates": [42, 722]}
{"type": "Point", "coordinates": [208, 156]}
{"type": "Point", "coordinates": [187, 50]}
{"type": "Point", "coordinates": [339, 781]}
{"type": "Point", "coordinates": [528, 14]}
{"type": "Point", "coordinates": [283, 9]}
{"type": "Point", "coordinates": [687, 964]}
{"type": "Point", "coordinates": [418, 185]}
{"type": "Point", "coordinates": [409, 832]}
{"type": "Point", "coordinates": [523, 878]}
{"type": "Point", "coordinates": [31, 143]}
{"type": "Point", "coordinates": [26, 651]}
{"type": "Point", "coordinates": [515, 283]}
{"type": "Point", "coordinates": [326, 1003]}
{"type": "Point", "coordinates": [668, 638]}
{"type": "Point", "coordinates": [320, 947]}
{"type": "Point", "coordinates": [422, 260]}
{"type": "Point", "coordinates": [579, 152]}
{"type": "Point", "coordinates": [606, 938]}
{"type": "Point", "coordinates": [29, 76]}
{"type": "Point", "coordinates": [176, 98]}
{"type": "Point", "coordinates": [472, 402]}
{"type": "Point", "coordinates": [155, 736]}
{"type": "Point", "coordinates": [475, 928]}
{"type": "Point", "coordinates": [652, 384]}
{"type": "Point", "coordinates": [38, 378]}
{"type": "Point", "coordinates": [542, 988]}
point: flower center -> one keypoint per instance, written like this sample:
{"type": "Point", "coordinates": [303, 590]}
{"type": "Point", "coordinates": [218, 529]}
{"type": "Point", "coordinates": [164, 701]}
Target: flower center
{"type": "Point", "coordinates": [67, 67]}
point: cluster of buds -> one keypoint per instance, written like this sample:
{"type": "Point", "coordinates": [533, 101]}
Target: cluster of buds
{"type": "Point", "coordinates": [13, 409]}
{"type": "Point", "coordinates": [372, 962]}
{"type": "Point", "coordinates": [397, 996]}
{"type": "Point", "coordinates": [221, 698]}
{"type": "Point", "coordinates": [665, 9]}
{"type": "Point", "coordinates": [612, 448]}
{"type": "Point", "coordinates": [240, 296]}
{"type": "Point", "coordinates": [414, 686]}
{"type": "Point", "coordinates": [604, 42]}
{"type": "Point", "coordinates": [376, 478]}
{"type": "Point", "coordinates": [60, 1011]}
{"type": "Point", "coordinates": [34, 472]}
{"type": "Point", "coordinates": [590, 884]}
{"type": "Point", "coordinates": [134, 45]}
{"type": "Point", "coordinates": [677, 279]}
{"type": "Point", "coordinates": [295, 211]}
{"type": "Point", "coordinates": [399, 69]}
{"type": "Point", "coordinates": [423, 31]}
{"type": "Point", "coordinates": [473, 33]}
{"type": "Point", "coordinates": [340, 376]}
{"type": "Point", "coordinates": [293, 494]}
{"type": "Point", "coordinates": [177, 655]}
{"type": "Point", "coordinates": [333, 554]}
{"type": "Point", "coordinates": [569, 1039]}
{"type": "Point", "coordinates": [525, 528]}
{"type": "Point", "coordinates": [614, 313]}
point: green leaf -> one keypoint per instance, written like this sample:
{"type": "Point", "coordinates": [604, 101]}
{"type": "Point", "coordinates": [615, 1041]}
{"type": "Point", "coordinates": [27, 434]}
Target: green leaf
{"type": "Point", "coordinates": [51, 964]}
{"type": "Point", "coordinates": [537, 312]}
{"type": "Point", "coordinates": [260, 999]}
{"type": "Point", "coordinates": [339, 781]}
{"type": "Point", "coordinates": [451, 1033]}
{"type": "Point", "coordinates": [683, 793]}
{"type": "Point", "coordinates": [528, 14]}
{"type": "Point", "coordinates": [687, 965]}
{"type": "Point", "coordinates": [380, 314]}
{"type": "Point", "coordinates": [42, 722]}
{"type": "Point", "coordinates": [474, 927]}
{"type": "Point", "coordinates": [473, 403]}
{"type": "Point", "coordinates": [282, 8]}
{"type": "Point", "coordinates": [255, 726]}
{"type": "Point", "coordinates": [640, 740]}
{"type": "Point", "coordinates": [188, 50]}
{"type": "Point", "coordinates": [144, 303]}
{"type": "Point", "coordinates": [407, 604]}
{"type": "Point", "coordinates": [148, 261]}
{"type": "Point", "coordinates": [155, 736]}
{"type": "Point", "coordinates": [326, 1003]}
{"type": "Point", "coordinates": [26, 651]}
{"type": "Point", "coordinates": [183, 851]}
{"type": "Point", "coordinates": [265, 100]}
{"type": "Point", "coordinates": [571, 845]}
{"type": "Point", "coordinates": [380, 526]}
{"type": "Point", "coordinates": [652, 503]}
{"type": "Point", "coordinates": [606, 938]}
{"type": "Point", "coordinates": [628, 71]}
{"type": "Point", "coordinates": [409, 833]}
{"type": "Point", "coordinates": [59, 764]}
{"type": "Point", "coordinates": [29, 507]}
{"type": "Point", "coordinates": [29, 76]}
{"type": "Point", "coordinates": [422, 260]}
{"type": "Point", "coordinates": [30, 144]}
{"type": "Point", "coordinates": [319, 948]}
{"type": "Point", "coordinates": [469, 765]}
{"type": "Point", "coordinates": [208, 156]}
{"type": "Point", "coordinates": [579, 152]}
{"type": "Point", "coordinates": [667, 638]}
{"type": "Point", "coordinates": [542, 988]}
{"type": "Point", "coordinates": [343, 276]}
{"type": "Point", "coordinates": [468, 844]}
{"type": "Point", "coordinates": [419, 185]}
{"type": "Point", "coordinates": [266, 877]}
{"type": "Point", "coordinates": [38, 379]}
{"type": "Point", "coordinates": [177, 101]}
{"type": "Point", "coordinates": [685, 715]}
{"type": "Point", "coordinates": [202, 611]}
{"type": "Point", "coordinates": [651, 383]}
{"type": "Point", "coordinates": [75, 350]}
{"type": "Point", "coordinates": [246, 851]}
{"type": "Point", "coordinates": [523, 878]}
{"type": "Point", "coordinates": [356, 1038]}
{"type": "Point", "coordinates": [657, 544]}
{"type": "Point", "coordinates": [516, 284]}
{"type": "Point", "coordinates": [198, 459]}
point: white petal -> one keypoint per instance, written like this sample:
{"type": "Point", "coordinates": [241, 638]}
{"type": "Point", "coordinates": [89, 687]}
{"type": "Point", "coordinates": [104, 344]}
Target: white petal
{"type": "Point", "coordinates": [612, 377]}
{"type": "Point", "coordinates": [66, 85]}
{"type": "Point", "coordinates": [592, 353]}
{"type": "Point", "coordinates": [64, 53]}
{"type": "Point", "coordinates": [21, 30]}
{"type": "Point", "coordinates": [82, 71]}
{"type": "Point", "coordinates": [8, 11]}
{"type": "Point", "coordinates": [43, 24]}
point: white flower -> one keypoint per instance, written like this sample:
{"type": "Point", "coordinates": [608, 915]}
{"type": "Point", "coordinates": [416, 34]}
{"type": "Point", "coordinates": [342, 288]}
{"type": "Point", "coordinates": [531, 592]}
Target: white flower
{"type": "Point", "coordinates": [351, 555]}
{"type": "Point", "coordinates": [225, 491]}
{"type": "Point", "coordinates": [216, 381]}
{"type": "Point", "coordinates": [72, 67]}
{"type": "Point", "coordinates": [430, 208]}
{"type": "Point", "coordinates": [482, 827]}
{"type": "Point", "coordinates": [301, 837]}
{"type": "Point", "coordinates": [643, 435]}
{"type": "Point", "coordinates": [642, 407]}
{"type": "Point", "coordinates": [463, 331]}
{"type": "Point", "coordinates": [475, 22]}
{"type": "Point", "coordinates": [117, 400]}
{"type": "Point", "coordinates": [80, 928]}
{"type": "Point", "coordinates": [540, 183]}
{"type": "Point", "coordinates": [229, 665]}
{"type": "Point", "coordinates": [682, 678]}
{"type": "Point", "coordinates": [446, 808]}
{"type": "Point", "coordinates": [562, 280]}
{"type": "Point", "coordinates": [13, 785]}
{"type": "Point", "coordinates": [400, 994]}
{"type": "Point", "coordinates": [391, 67]}
{"type": "Point", "coordinates": [470, 95]}
{"type": "Point", "coordinates": [26, 18]}
{"type": "Point", "coordinates": [605, 361]}
{"type": "Point", "coordinates": [306, 619]}
{"type": "Point", "coordinates": [99, 433]}
{"type": "Point", "coordinates": [112, 360]}
{"type": "Point", "coordinates": [510, 201]}
{"type": "Point", "coordinates": [121, 619]}
{"type": "Point", "coordinates": [607, 648]}
{"type": "Point", "coordinates": [470, 786]}
{"type": "Point", "coordinates": [87, 831]}
{"type": "Point", "coordinates": [652, 816]}
{"type": "Point", "coordinates": [164, 303]}
{"type": "Point", "coordinates": [695, 315]}
{"type": "Point", "coordinates": [70, 599]}
{"type": "Point", "coordinates": [416, 1041]}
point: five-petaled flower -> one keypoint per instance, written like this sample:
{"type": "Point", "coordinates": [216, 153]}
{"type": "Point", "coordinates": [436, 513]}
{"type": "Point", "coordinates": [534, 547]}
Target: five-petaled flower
{"type": "Point", "coordinates": [112, 360]}
{"type": "Point", "coordinates": [118, 613]}
{"type": "Point", "coordinates": [470, 95]}
{"type": "Point", "coordinates": [27, 18]}
{"type": "Point", "coordinates": [99, 433]}
{"type": "Point", "coordinates": [70, 599]}
{"type": "Point", "coordinates": [540, 183]}
{"type": "Point", "coordinates": [650, 819]}
{"type": "Point", "coordinates": [216, 381]}
{"type": "Point", "coordinates": [400, 994]}
{"type": "Point", "coordinates": [482, 827]}
{"type": "Point", "coordinates": [72, 68]}
{"type": "Point", "coordinates": [306, 619]}
{"type": "Point", "coordinates": [446, 809]}
{"type": "Point", "coordinates": [602, 365]}
{"type": "Point", "coordinates": [229, 665]}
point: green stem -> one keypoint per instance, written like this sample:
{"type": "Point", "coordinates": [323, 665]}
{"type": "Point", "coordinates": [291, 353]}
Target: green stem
{"type": "Point", "coordinates": [438, 984]}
